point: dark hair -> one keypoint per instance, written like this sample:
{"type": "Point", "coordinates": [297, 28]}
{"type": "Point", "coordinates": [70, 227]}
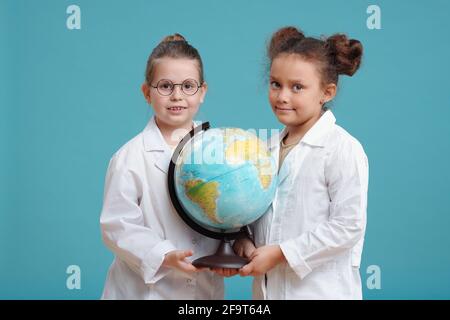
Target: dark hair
{"type": "Point", "coordinates": [173, 46]}
{"type": "Point", "coordinates": [333, 56]}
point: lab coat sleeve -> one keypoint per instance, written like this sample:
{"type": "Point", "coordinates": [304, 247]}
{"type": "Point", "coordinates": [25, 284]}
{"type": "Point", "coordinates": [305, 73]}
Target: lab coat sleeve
{"type": "Point", "coordinates": [346, 173]}
{"type": "Point", "coordinates": [122, 226]}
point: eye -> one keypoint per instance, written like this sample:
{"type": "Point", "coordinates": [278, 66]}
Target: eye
{"type": "Point", "coordinates": [165, 85]}
{"type": "Point", "coordinates": [297, 87]}
{"type": "Point", "coordinates": [274, 85]}
{"type": "Point", "coordinates": [188, 85]}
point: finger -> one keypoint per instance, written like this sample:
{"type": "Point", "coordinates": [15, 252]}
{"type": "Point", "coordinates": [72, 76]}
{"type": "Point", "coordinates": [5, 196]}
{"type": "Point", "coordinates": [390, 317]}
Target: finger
{"type": "Point", "coordinates": [253, 254]}
{"type": "Point", "coordinates": [225, 273]}
{"type": "Point", "coordinates": [246, 270]}
{"type": "Point", "coordinates": [188, 267]}
{"type": "Point", "coordinates": [233, 272]}
{"type": "Point", "coordinates": [219, 271]}
{"type": "Point", "coordinates": [183, 256]}
{"type": "Point", "coordinates": [249, 249]}
{"type": "Point", "coordinates": [187, 253]}
{"type": "Point", "coordinates": [237, 248]}
{"type": "Point", "coordinates": [249, 255]}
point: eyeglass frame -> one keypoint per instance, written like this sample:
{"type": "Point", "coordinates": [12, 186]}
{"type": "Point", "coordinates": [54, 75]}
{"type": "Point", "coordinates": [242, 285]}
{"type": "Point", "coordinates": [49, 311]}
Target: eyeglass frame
{"type": "Point", "coordinates": [177, 84]}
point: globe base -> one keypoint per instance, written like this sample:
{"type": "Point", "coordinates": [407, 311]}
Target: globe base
{"type": "Point", "coordinates": [223, 258]}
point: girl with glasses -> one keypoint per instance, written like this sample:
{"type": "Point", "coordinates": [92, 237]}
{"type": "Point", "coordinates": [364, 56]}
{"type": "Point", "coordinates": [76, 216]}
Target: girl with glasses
{"type": "Point", "coordinates": [152, 245]}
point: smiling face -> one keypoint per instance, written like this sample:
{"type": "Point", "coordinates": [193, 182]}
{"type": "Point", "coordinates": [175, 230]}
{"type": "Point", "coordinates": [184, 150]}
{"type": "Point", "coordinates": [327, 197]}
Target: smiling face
{"type": "Point", "coordinates": [177, 109]}
{"type": "Point", "coordinates": [296, 93]}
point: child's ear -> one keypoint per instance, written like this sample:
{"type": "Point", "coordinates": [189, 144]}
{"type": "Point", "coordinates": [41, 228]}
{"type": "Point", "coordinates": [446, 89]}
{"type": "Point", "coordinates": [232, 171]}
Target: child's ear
{"type": "Point", "coordinates": [329, 93]}
{"type": "Point", "coordinates": [146, 92]}
{"type": "Point", "coordinates": [203, 90]}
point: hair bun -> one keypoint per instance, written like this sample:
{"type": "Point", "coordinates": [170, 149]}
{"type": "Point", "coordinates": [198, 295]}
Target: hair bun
{"type": "Point", "coordinates": [345, 53]}
{"type": "Point", "coordinates": [281, 38]}
{"type": "Point", "coordinates": [173, 37]}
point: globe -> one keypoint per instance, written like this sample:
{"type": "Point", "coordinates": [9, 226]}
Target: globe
{"type": "Point", "coordinates": [221, 180]}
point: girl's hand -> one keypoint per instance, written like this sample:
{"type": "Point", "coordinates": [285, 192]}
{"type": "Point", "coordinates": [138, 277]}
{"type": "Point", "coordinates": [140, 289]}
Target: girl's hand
{"type": "Point", "coordinates": [177, 260]}
{"type": "Point", "coordinates": [244, 247]}
{"type": "Point", "coordinates": [263, 259]}
{"type": "Point", "coordinates": [224, 272]}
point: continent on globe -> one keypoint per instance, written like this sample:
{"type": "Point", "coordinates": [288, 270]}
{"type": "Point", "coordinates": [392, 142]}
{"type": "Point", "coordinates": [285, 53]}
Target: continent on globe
{"type": "Point", "coordinates": [205, 195]}
{"type": "Point", "coordinates": [251, 149]}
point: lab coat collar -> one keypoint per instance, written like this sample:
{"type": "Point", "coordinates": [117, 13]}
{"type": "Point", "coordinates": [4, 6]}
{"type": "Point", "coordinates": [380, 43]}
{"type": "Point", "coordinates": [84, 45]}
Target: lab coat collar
{"type": "Point", "coordinates": [153, 139]}
{"type": "Point", "coordinates": [274, 145]}
{"type": "Point", "coordinates": [274, 141]}
{"type": "Point", "coordinates": [154, 142]}
{"type": "Point", "coordinates": [315, 136]}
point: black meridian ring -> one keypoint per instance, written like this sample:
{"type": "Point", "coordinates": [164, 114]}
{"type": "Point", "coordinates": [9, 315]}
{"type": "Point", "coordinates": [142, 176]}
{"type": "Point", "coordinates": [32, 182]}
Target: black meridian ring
{"type": "Point", "coordinates": [176, 202]}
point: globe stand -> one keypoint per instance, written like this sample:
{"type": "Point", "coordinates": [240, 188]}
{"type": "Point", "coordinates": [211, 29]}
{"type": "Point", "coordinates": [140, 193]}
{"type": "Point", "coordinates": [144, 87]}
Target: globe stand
{"type": "Point", "coordinates": [223, 258]}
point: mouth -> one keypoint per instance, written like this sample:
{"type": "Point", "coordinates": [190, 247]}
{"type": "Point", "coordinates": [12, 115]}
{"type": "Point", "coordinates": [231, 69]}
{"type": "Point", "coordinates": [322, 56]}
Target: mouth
{"type": "Point", "coordinates": [176, 108]}
{"type": "Point", "coordinates": [284, 109]}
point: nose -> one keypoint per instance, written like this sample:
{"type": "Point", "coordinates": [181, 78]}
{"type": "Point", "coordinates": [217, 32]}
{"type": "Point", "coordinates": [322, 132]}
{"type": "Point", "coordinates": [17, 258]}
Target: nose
{"type": "Point", "coordinates": [283, 96]}
{"type": "Point", "coordinates": [176, 93]}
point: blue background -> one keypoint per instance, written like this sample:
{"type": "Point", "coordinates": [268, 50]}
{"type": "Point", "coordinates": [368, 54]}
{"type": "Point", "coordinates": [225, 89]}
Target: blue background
{"type": "Point", "coordinates": [70, 98]}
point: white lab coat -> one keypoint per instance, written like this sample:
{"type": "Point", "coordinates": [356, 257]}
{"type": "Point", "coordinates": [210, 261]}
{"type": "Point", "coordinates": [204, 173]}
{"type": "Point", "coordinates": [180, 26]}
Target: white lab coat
{"type": "Point", "coordinates": [139, 225]}
{"type": "Point", "coordinates": [318, 217]}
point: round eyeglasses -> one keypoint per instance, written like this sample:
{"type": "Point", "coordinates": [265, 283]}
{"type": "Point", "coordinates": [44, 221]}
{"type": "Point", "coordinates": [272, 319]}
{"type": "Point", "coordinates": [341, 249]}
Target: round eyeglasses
{"type": "Point", "coordinates": [165, 87]}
